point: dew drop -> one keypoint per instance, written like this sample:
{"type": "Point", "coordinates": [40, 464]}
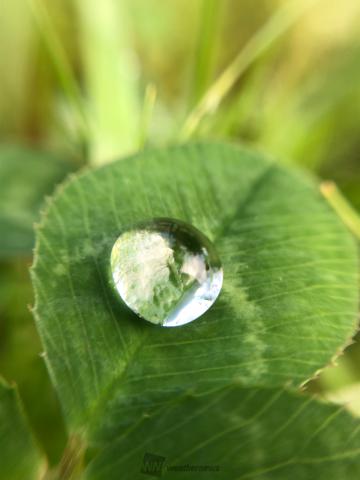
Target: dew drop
{"type": "Point", "coordinates": [166, 271]}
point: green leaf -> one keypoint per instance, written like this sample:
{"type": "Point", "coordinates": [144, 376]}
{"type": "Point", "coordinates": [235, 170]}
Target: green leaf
{"type": "Point", "coordinates": [289, 298]}
{"type": "Point", "coordinates": [237, 433]}
{"type": "Point", "coordinates": [20, 457]}
{"type": "Point", "coordinates": [26, 176]}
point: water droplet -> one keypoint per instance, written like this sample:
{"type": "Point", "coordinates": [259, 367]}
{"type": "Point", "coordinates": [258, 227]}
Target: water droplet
{"type": "Point", "coordinates": [166, 271]}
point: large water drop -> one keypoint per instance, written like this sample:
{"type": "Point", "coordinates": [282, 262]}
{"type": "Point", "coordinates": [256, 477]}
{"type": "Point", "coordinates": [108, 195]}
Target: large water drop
{"type": "Point", "coordinates": [166, 271]}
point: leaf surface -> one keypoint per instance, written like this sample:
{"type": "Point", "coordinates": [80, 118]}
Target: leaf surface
{"type": "Point", "coordinates": [289, 298]}
{"type": "Point", "coordinates": [236, 433]}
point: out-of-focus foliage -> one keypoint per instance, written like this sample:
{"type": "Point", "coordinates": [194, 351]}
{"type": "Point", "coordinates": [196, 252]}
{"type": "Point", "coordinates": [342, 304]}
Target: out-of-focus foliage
{"type": "Point", "coordinates": [20, 455]}
{"type": "Point", "coordinates": [20, 358]}
{"type": "Point", "coordinates": [73, 79]}
{"type": "Point", "coordinates": [27, 176]}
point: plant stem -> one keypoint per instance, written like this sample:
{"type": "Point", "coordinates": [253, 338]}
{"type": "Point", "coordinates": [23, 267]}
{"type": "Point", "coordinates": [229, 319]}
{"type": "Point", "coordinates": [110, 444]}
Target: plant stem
{"type": "Point", "coordinates": [341, 206]}
{"type": "Point", "coordinates": [71, 463]}
{"type": "Point", "coordinates": [110, 79]}
{"type": "Point", "coordinates": [148, 107]}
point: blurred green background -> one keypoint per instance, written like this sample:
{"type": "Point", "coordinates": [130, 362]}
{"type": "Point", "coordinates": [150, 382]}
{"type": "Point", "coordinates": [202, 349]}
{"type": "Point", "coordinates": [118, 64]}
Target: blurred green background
{"type": "Point", "coordinates": [85, 82]}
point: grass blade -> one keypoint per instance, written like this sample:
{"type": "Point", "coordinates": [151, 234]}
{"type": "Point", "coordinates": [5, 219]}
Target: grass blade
{"type": "Point", "coordinates": [278, 24]}
{"type": "Point", "coordinates": [207, 43]}
{"type": "Point", "coordinates": [61, 64]}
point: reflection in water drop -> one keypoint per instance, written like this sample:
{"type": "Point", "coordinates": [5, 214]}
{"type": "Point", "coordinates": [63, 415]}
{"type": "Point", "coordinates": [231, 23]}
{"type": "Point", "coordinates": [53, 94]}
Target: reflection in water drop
{"type": "Point", "coordinates": [166, 271]}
